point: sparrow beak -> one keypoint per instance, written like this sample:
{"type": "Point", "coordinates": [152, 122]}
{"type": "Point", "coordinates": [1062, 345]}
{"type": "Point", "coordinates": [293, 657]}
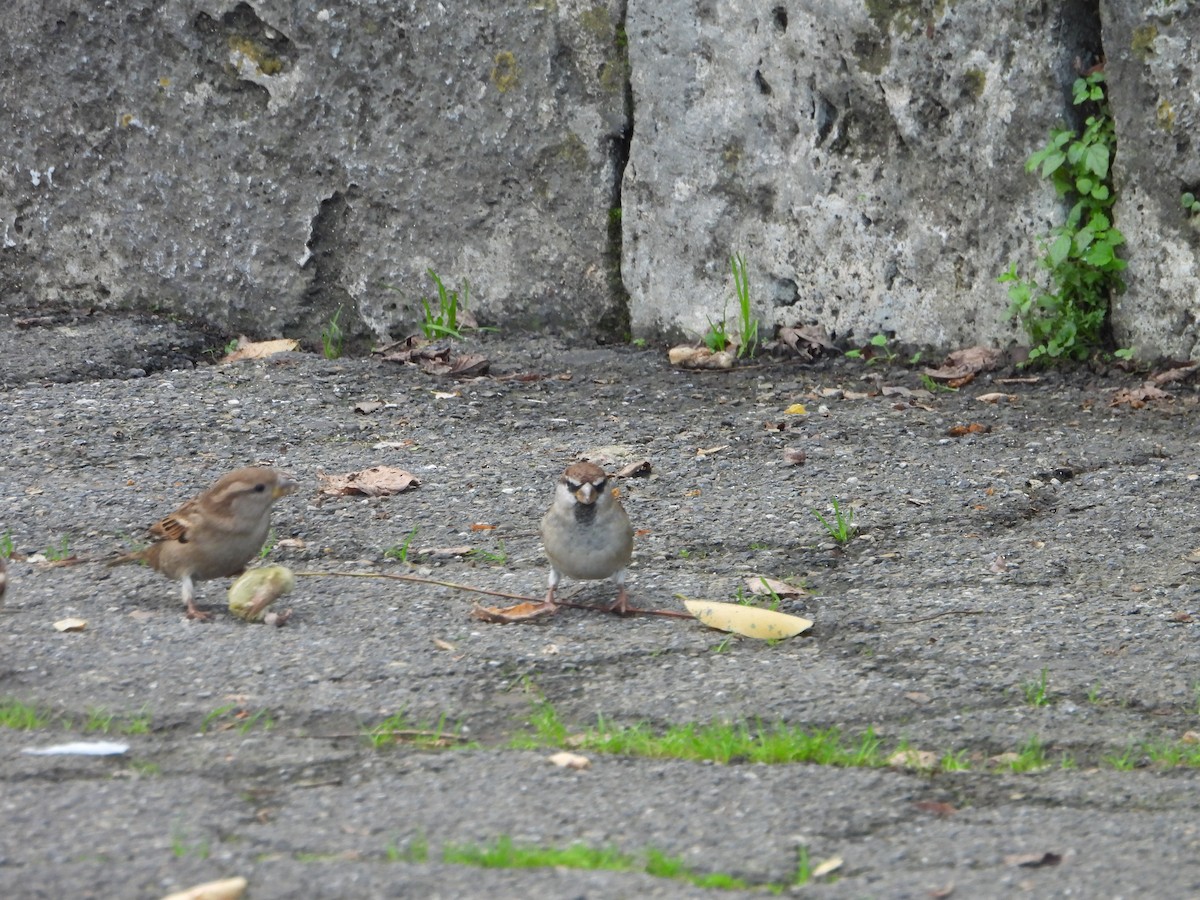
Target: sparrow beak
{"type": "Point", "coordinates": [586, 494]}
{"type": "Point", "coordinates": [284, 487]}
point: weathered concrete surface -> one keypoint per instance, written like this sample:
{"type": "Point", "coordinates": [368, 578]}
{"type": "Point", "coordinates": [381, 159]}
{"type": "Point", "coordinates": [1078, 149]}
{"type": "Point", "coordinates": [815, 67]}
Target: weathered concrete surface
{"type": "Point", "coordinates": [867, 159]}
{"type": "Point", "coordinates": [258, 166]}
{"type": "Point", "coordinates": [1061, 538]}
{"type": "Point", "coordinates": [1155, 95]}
{"type": "Point", "coordinates": [587, 167]}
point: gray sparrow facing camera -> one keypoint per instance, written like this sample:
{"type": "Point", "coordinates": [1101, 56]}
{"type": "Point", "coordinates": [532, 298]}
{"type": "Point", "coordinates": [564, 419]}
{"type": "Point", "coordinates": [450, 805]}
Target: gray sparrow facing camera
{"type": "Point", "coordinates": [215, 534]}
{"type": "Point", "coordinates": [586, 533]}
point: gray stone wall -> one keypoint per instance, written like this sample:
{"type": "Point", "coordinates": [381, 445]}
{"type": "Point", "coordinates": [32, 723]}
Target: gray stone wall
{"type": "Point", "coordinates": [588, 167]}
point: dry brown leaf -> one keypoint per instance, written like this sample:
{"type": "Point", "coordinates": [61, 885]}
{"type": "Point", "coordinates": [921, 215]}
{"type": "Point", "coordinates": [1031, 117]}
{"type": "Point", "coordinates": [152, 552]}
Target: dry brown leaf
{"type": "Point", "coordinates": [689, 357]}
{"type": "Point", "coordinates": [366, 407]}
{"type": "Point", "coordinates": [481, 526]}
{"type": "Point", "coordinates": [566, 760]}
{"type": "Point", "coordinates": [1190, 737]}
{"type": "Point", "coordinates": [520, 612]}
{"type": "Point", "coordinates": [260, 349]}
{"type": "Point", "coordinates": [807, 342]}
{"type": "Point", "coordinates": [443, 645]}
{"type": "Point", "coordinates": [1177, 373]}
{"type": "Point", "coordinates": [467, 365]}
{"type": "Point", "coordinates": [748, 621]}
{"type": "Point", "coordinates": [225, 889]}
{"type": "Point", "coordinates": [702, 452]}
{"type": "Point", "coordinates": [70, 624]}
{"type": "Point", "coordinates": [966, 364]}
{"type": "Point", "coordinates": [996, 397]}
{"type": "Point", "coordinates": [761, 584]}
{"type": "Point", "coordinates": [638, 469]}
{"type": "Point", "coordinates": [972, 428]}
{"type": "Point", "coordinates": [377, 481]}
{"type": "Point", "coordinates": [793, 456]}
{"type": "Point", "coordinates": [855, 395]}
{"type": "Point", "coordinates": [1138, 397]}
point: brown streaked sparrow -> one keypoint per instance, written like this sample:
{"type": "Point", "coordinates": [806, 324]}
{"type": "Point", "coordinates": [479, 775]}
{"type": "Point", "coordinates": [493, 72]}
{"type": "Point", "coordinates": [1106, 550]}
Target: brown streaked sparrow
{"type": "Point", "coordinates": [215, 534]}
{"type": "Point", "coordinates": [586, 533]}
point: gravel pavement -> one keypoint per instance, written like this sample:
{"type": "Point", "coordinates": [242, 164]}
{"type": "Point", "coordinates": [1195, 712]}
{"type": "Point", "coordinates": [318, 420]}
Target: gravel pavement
{"type": "Point", "coordinates": [1057, 537]}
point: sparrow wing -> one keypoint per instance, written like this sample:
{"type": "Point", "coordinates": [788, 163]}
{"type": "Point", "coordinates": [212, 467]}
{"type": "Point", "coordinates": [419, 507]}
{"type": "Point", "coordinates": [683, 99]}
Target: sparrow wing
{"type": "Point", "coordinates": [176, 526]}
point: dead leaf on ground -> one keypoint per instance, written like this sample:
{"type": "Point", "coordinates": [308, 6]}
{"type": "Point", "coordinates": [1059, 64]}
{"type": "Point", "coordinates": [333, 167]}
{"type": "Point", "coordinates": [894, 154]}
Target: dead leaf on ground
{"type": "Point", "coordinates": [465, 365]}
{"type": "Point", "coordinates": [972, 428]}
{"type": "Point", "coordinates": [247, 349]}
{"type": "Point", "coordinates": [70, 624]}
{"type": "Point", "coordinates": [748, 621]}
{"type": "Point", "coordinates": [481, 526]}
{"type": "Point", "coordinates": [966, 363]}
{"type": "Point", "coordinates": [796, 409]}
{"type": "Point", "coordinates": [377, 481]}
{"type": "Point", "coordinates": [366, 407]}
{"type": "Point", "coordinates": [807, 342]}
{"type": "Point", "coordinates": [793, 456]}
{"type": "Point", "coordinates": [702, 452]}
{"type": "Point", "coordinates": [1139, 396]}
{"type": "Point", "coordinates": [761, 584]}
{"type": "Point", "coordinates": [996, 397]}
{"type": "Point", "coordinates": [1177, 373]}
{"type": "Point", "coordinates": [856, 395]}
{"type": "Point", "coordinates": [443, 645]}
{"type": "Point", "coordinates": [566, 760]}
{"type": "Point", "coordinates": [639, 469]}
{"type": "Point", "coordinates": [689, 357]}
{"type": "Point", "coordinates": [508, 615]}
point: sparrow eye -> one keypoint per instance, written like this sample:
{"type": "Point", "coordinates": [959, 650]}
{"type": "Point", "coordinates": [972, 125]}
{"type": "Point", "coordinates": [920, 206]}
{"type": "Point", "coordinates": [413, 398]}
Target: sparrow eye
{"type": "Point", "coordinates": [573, 485]}
{"type": "Point", "coordinates": [599, 485]}
{"type": "Point", "coordinates": [259, 488]}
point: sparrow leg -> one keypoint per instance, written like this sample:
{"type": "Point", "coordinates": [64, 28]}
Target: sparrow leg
{"type": "Point", "coordinates": [621, 606]}
{"type": "Point", "coordinates": [548, 604]}
{"type": "Point", "coordinates": [189, 596]}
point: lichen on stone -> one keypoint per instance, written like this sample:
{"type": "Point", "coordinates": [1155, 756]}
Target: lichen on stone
{"type": "Point", "coordinates": [1142, 43]}
{"type": "Point", "coordinates": [506, 74]}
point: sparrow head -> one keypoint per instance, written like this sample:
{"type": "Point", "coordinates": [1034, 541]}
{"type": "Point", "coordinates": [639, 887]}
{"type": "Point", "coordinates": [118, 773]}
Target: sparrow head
{"type": "Point", "coordinates": [243, 496]}
{"type": "Point", "coordinates": [583, 486]}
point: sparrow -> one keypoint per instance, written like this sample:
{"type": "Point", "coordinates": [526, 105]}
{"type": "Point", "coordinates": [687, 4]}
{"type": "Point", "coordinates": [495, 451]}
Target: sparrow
{"type": "Point", "coordinates": [586, 533]}
{"type": "Point", "coordinates": [215, 534]}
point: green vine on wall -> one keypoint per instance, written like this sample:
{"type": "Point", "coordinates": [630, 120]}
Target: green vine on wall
{"type": "Point", "coordinates": [1066, 319]}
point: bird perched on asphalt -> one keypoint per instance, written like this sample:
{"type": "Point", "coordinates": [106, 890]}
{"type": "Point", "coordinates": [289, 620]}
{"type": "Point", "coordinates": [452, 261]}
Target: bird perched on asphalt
{"type": "Point", "coordinates": [586, 533]}
{"type": "Point", "coordinates": [215, 534]}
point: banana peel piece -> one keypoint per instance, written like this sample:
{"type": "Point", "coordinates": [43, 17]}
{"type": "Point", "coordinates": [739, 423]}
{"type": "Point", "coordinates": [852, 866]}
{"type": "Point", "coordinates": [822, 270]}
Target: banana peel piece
{"type": "Point", "coordinates": [257, 589]}
{"type": "Point", "coordinates": [748, 621]}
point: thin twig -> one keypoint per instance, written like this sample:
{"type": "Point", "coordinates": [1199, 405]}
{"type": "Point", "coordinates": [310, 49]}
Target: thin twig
{"type": "Point", "coordinates": [418, 579]}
